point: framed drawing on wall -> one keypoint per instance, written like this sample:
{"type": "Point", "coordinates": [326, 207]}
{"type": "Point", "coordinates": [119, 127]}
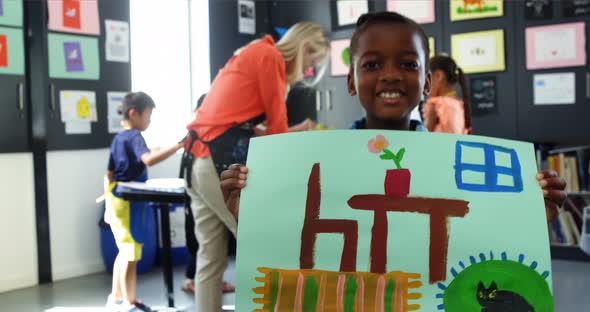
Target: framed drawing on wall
{"type": "Point", "coordinates": [479, 52]}
{"type": "Point", "coordinates": [344, 13]}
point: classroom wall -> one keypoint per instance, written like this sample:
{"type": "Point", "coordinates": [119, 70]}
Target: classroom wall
{"type": "Point", "coordinates": [18, 264]}
{"type": "Point", "coordinates": [74, 181]}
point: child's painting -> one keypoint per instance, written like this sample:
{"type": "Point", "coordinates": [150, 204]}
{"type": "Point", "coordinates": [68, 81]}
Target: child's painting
{"type": "Point", "coordinates": [340, 57]}
{"type": "Point", "coordinates": [73, 57]}
{"type": "Point", "coordinates": [562, 45]}
{"type": "Point", "coordinates": [12, 53]}
{"type": "Point", "coordinates": [479, 52]}
{"type": "Point", "coordinates": [77, 105]}
{"type": "Point", "coordinates": [74, 16]}
{"type": "Point", "coordinates": [392, 221]}
{"type": "Point", "coordinates": [472, 9]}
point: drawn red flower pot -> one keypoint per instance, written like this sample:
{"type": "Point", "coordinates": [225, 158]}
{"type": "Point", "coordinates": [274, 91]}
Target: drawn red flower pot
{"type": "Point", "coordinates": [397, 182]}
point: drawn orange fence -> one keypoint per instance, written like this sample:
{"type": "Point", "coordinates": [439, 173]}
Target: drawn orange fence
{"type": "Point", "coordinates": [309, 290]}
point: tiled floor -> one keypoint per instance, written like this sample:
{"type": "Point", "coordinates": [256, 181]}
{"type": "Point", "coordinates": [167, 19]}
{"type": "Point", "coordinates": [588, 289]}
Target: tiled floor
{"type": "Point", "coordinates": [571, 286]}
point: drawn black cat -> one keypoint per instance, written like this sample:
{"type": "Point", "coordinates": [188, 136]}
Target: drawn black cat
{"type": "Point", "coordinates": [493, 300]}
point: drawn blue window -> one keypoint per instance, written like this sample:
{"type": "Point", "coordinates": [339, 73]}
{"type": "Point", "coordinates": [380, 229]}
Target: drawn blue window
{"type": "Point", "coordinates": [481, 167]}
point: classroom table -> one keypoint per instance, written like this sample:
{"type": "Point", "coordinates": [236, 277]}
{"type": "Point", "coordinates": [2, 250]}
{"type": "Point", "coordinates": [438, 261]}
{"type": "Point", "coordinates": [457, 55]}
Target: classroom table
{"type": "Point", "coordinates": [164, 198]}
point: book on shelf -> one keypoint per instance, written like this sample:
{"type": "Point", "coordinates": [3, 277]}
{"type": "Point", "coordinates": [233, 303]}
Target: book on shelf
{"type": "Point", "coordinates": [572, 164]}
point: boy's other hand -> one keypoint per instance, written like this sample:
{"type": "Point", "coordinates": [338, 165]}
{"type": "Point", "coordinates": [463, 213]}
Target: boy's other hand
{"type": "Point", "coordinates": [233, 180]}
{"type": "Point", "coordinates": [553, 191]}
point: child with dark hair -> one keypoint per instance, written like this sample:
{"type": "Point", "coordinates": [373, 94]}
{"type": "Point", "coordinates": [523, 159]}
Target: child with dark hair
{"type": "Point", "coordinates": [128, 160]}
{"type": "Point", "coordinates": [445, 111]}
{"type": "Point", "coordinates": [389, 74]}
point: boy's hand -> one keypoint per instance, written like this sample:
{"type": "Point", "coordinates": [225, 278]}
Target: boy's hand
{"type": "Point", "coordinates": [553, 191]}
{"type": "Point", "coordinates": [233, 180]}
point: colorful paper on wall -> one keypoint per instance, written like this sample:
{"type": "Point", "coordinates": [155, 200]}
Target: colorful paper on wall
{"type": "Point", "coordinates": [114, 101]}
{"type": "Point", "coordinates": [557, 88]}
{"type": "Point", "coordinates": [350, 10]}
{"type": "Point", "coordinates": [479, 52]}
{"type": "Point", "coordinates": [12, 53]}
{"type": "Point", "coordinates": [117, 41]}
{"type": "Point", "coordinates": [74, 16]}
{"type": "Point", "coordinates": [471, 9]}
{"type": "Point", "coordinates": [73, 57]}
{"type": "Point", "coordinates": [11, 13]}
{"type": "Point", "coordinates": [339, 59]}
{"type": "Point", "coordinates": [562, 45]}
{"type": "Point", "coordinates": [77, 105]}
{"type": "Point", "coordinates": [372, 236]}
{"type": "Point", "coordinates": [421, 11]}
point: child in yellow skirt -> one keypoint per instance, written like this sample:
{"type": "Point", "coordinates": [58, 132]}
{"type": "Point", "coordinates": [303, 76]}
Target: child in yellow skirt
{"type": "Point", "coordinates": [128, 160]}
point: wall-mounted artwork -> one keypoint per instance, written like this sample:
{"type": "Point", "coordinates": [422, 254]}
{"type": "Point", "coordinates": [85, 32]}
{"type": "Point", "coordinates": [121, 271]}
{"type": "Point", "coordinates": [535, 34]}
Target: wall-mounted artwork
{"type": "Point", "coordinates": [12, 53]}
{"type": "Point", "coordinates": [74, 16]}
{"type": "Point", "coordinates": [421, 11]}
{"type": "Point", "coordinates": [344, 13]}
{"type": "Point", "coordinates": [561, 45]}
{"type": "Point", "coordinates": [73, 57]}
{"type": "Point", "coordinates": [11, 13]}
{"type": "Point", "coordinates": [340, 57]}
{"type": "Point", "coordinates": [472, 9]}
{"type": "Point", "coordinates": [554, 88]}
{"type": "Point", "coordinates": [573, 8]}
{"type": "Point", "coordinates": [400, 230]}
{"type": "Point", "coordinates": [479, 52]}
{"type": "Point", "coordinates": [538, 9]}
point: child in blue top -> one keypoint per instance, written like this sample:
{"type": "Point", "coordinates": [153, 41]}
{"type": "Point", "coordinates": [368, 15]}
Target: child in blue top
{"type": "Point", "coordinates": [127, 162]}
{"type": "Point", "coordinates": [389, 74]}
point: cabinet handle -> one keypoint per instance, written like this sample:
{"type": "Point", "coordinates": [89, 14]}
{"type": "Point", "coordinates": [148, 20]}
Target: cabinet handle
{"type": "Point", "coordinates": [328, 98]}
{"type": "Point", "coordinates": [318, 100]}
{"type": "Point", "coordinates": [20, 97]}
{"type": "Point", "coordinates": [52, 97]}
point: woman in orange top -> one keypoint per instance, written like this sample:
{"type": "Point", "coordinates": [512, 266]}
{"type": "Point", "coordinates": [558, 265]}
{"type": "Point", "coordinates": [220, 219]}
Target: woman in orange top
{"type": "Point", "coordinates": [250, 89]}
{"type": "Point", "coordinates": [444, 111]}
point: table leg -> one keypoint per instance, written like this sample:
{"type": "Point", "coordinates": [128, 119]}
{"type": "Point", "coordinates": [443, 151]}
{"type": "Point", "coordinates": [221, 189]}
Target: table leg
{"type": "Point", "coordinates": [167, 252]}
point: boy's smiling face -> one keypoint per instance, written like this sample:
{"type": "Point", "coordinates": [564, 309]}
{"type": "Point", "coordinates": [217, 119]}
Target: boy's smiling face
{"type": "Point", "coordinates": [389, 72]}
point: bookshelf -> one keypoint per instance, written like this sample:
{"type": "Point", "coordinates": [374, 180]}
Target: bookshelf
{"type": "Point", "coordinates": [572, 163]}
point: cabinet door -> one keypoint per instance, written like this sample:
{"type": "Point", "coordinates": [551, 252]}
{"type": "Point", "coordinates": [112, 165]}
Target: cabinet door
{"type": "Point", "coordinates": [14, 116]}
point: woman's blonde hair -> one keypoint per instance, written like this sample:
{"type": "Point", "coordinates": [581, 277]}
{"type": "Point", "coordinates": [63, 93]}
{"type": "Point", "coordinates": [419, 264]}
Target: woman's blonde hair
{"type": "Point", "coordinates": [292, 47]}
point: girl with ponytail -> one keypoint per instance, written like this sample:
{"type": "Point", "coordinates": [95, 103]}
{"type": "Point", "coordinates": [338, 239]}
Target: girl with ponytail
{"type": "Point", "coordinates": [445, 111]}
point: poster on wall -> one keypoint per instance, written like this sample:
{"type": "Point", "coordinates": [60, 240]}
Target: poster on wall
{"type": "Point", "coordinates": [12, 53]}
{"type": "Point", "coordinates": [538, 9]}
{"type": "Point", "coordinates": [573, 8]}
{"type": "Point", "coordinates": [479, 52]}
{"type": "Point", "coordinates": [398, 231]}
{"type": "Point", "coordinates": [73, 57]}
{"type": "Point", "coordinates": [76, 105]}
{"type": "Point", "coordinates": [74, 16]}
{"type": "Point", "coordinates": [340, 57]}
{"type": "Point", "coordinates": [344, 13]}
{"type": "Point", "coordinates": [483, 95]}
{"type": "Point", "coordinates": [114, 101]}
{"type": "Point", "coordinates": [555, 88]}
{"type": "Point", "coordinates": [421, 11]}
{"type": "Point", "coordinates": [472, 9]}
{"type": "Point", "coordinates": [247, 17]}
{"type": "Point", "coordinates": [561, 45]}
{"type": "Point", "coordinates": [11, 13]}
{"type": "Point", "coordinates": [78, 127]}
{"type": "Point", "coordinates": [117, 41]}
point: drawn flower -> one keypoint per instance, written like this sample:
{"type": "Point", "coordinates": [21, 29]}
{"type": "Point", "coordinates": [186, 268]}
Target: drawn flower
{"type": "Point", "coordinates": [378, 144]}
